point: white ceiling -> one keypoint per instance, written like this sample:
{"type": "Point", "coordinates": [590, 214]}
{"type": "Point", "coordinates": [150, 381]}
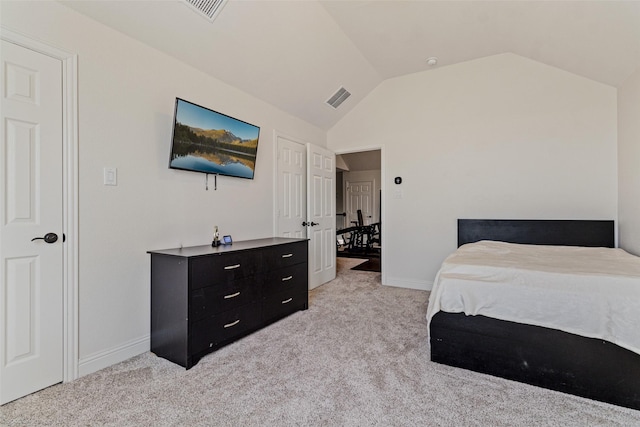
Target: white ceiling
{"type": "Point", "coordinates": [361, 161]}
{"type": "Point", "coordinates": [295, 54]}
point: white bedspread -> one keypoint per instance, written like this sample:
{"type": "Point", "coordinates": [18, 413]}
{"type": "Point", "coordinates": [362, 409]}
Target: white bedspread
{"type": "Point", "coordinates": [593, 292]}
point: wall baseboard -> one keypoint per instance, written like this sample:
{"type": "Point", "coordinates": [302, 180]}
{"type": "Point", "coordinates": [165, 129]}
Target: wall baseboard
{"type": "Point", "coordinates": [106, 358]}
{"type": "Point", "coordinates": [409, 283]}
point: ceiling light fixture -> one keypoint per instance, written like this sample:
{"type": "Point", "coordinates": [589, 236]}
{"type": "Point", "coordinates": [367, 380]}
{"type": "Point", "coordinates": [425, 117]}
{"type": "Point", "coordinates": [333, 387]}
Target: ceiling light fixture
{"type": "Point", "coordinates": [432, 61]}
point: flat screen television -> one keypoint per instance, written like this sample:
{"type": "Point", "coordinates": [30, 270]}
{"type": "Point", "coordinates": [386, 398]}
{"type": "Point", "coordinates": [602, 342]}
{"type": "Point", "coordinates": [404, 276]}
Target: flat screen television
{"type": "Point", "coordinates": [213, 143]}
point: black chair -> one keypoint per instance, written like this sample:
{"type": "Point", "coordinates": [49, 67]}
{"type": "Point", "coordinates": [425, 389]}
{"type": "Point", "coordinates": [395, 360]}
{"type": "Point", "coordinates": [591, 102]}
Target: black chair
{"type": "Point", "coordinates": [360, 237]}
{"type": "Point", "coordinates": [374, 236]}
{"type": "Point", "coordinates": [360, 219]}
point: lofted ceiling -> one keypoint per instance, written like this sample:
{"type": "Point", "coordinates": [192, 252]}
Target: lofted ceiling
{"type": "Point", "coordinates": [294, 54]}
{"type": "Point", "coordinates": [360, 161]}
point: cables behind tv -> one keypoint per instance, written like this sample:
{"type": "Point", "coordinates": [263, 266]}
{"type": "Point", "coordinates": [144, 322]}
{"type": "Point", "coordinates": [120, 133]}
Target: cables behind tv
{"type": "Point", "coordinates": [215, 182]}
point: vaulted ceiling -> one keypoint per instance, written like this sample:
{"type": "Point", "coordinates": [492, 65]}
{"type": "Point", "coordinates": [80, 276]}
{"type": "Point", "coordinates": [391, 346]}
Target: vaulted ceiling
{"type": "Point", "coordinates": [294, 54]}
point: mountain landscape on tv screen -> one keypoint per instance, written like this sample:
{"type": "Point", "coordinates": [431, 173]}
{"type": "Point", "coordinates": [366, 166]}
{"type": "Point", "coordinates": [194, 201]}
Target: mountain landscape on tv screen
{"type": "Point", "coordinates": [213, 151]}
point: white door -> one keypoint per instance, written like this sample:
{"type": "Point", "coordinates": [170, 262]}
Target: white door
{"type": "Point", "coordinates": [292, 188]}
{"type": "Point", "coordinates": [321, 214]}
{"type": "Point", "coordinates": [31, 271]}
{"type": "Point", "coordinates": [359, 196]}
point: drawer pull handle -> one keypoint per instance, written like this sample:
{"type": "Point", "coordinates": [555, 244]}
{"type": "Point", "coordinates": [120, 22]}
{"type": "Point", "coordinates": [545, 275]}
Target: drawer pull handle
{"type": "Point", "coordinates": [287, 255]}
{"type": "Point", "coordinates": [287, 300]}
{"type": "Point", "coordinates": [232, 267]}
{"type": "Point", "coordinates": [228, 325]}
{"type": "Point", "coordinates": [232, 295]}
{"type": "Point", "coordinates": [284, 279]}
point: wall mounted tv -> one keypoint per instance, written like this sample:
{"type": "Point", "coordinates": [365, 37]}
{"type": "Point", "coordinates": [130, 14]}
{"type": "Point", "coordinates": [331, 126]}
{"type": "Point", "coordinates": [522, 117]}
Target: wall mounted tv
{"type": "Point", "coordinates": [213, 143]}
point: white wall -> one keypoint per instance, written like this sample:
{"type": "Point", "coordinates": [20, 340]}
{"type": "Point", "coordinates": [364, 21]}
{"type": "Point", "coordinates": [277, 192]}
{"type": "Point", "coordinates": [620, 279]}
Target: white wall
{"type": "Point", "coordinates": [126, 99]}
{"type": "Point", "coordinates": [629, 163]}
{"type": "Point", "coordinates": [498, 137]}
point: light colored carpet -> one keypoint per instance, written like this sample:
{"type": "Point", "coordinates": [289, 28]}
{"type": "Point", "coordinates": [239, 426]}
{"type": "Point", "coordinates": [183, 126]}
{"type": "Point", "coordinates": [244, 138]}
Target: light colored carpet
{"type": "Point", "coordinates": [357, 357]}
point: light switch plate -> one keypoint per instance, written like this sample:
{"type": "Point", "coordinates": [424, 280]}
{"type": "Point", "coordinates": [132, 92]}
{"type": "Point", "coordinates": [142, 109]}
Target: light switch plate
{"type": "Point", "coordinates": [110, 176]}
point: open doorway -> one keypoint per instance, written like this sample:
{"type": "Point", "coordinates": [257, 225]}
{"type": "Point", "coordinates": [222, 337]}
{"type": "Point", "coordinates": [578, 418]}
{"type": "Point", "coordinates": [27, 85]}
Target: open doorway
{"type": "Point", "coordinates": [358, 208]}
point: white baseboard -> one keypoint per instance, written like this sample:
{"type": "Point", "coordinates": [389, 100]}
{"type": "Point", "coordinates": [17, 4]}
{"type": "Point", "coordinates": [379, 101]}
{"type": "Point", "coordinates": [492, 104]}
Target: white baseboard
{"type": "Point", "coordinates": [106, 358]}
{"type": "Point", "coordinates": [409, 283]}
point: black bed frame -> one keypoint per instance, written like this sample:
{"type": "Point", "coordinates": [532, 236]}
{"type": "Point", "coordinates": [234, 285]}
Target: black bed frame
{"type": "Point", "coordinates": [544, 357]}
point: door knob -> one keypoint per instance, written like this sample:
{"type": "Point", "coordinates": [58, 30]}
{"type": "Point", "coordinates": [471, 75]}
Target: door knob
{"type": "Point", "coordinates": [309, 224]}
{"type": "Point", "coordinates": [49, 238]}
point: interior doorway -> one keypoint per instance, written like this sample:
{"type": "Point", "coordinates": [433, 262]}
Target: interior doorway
{"type": "Point", "coordinates": [359, 208]}
{"type": "Point", "coordinates": [305, 188]}
{"type": "Point", "coordinates": [34, 356]}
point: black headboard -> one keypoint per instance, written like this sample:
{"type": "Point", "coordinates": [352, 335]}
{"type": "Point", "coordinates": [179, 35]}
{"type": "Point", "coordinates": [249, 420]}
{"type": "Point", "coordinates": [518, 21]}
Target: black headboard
{"type": "Point", "coordinates": [593, 233]}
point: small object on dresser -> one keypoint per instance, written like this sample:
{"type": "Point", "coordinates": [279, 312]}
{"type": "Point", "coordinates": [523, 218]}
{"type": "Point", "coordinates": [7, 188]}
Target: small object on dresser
{"type": "Point", "coordinates": [216, 237]}
{"type": "Point", "coordinates": [226, 240]}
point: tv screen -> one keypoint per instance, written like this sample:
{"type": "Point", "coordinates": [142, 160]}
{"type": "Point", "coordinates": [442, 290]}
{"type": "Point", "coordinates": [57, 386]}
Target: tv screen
{"type": "Point", "coordinates": [210, 142]}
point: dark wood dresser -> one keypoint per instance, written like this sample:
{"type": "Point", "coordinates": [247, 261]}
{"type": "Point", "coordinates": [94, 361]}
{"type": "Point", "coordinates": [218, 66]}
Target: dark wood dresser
{"type": "Point", "coordinates": [204, 297]}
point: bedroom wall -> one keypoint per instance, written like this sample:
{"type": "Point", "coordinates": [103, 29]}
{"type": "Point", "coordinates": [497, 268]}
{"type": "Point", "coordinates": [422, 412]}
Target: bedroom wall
{"type": "Point", "coordinates": [497, 137]}
{"type": "Point", "coordinates": [126, 99]}
{"type": "Point", "coordinates": [629, 163]}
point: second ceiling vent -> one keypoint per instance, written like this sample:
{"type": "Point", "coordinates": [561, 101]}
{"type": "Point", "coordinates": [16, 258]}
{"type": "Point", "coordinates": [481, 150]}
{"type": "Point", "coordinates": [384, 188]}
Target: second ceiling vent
{"type": "Point", "coordinates": [207, 8]}
{"type": "Point", "coordinates": [338, 98]}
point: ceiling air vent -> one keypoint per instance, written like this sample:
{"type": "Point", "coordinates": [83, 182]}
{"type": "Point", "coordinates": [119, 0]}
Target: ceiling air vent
{"type": "Point", "coordinates": [207, 8]}
{"type": "Point", "coordinates": [338, 97]}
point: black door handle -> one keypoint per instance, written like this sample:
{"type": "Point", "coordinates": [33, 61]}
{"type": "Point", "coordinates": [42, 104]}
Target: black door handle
{"type": "Point", "coordinates": [48, 238]}
{"type": "Point", "coordinates": [309, 224]}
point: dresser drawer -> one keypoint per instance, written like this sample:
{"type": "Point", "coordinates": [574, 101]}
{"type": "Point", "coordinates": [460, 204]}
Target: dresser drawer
{"type": "Point", "coordinates": [282, 304]}
{"type": "Point", "coordinates": [286, 255]}
{"type": "Point", "coordinates": [286, 279]}
{"type": "Point", "coordinates": [216, 299]}
{"type": "Point", "coordinates": [210, 332]}
{"type": "Point", "coordinates": [220, 269]}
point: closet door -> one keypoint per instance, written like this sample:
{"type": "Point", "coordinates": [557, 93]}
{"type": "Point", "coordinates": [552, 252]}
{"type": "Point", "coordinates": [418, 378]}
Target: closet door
{"type": "Point", "coordinates": [31, 239]}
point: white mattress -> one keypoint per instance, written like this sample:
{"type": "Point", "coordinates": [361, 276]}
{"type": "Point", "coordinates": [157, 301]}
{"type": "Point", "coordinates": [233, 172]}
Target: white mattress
{"type": "Point", "coordinates": [593, 292]}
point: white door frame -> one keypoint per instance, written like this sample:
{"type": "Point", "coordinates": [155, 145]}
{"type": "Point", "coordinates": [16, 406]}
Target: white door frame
{"type": "Point", "coordinates": [383, 189]}
{"type": "Point", "coordinates": [70, 193]}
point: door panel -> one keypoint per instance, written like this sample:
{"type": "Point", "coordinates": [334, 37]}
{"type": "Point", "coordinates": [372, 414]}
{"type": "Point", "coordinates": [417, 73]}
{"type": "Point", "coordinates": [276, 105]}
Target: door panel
{"type": "Point", "coordinates": [322, 210]}
{"type": "Point", "coordinates": [360, 196]}
{"type": "Point", "coordinates": [306, 194]}
{"type": "Point", "coordinates": [31, 272]}
{"type": "Point", "coordinates": [292, 188]}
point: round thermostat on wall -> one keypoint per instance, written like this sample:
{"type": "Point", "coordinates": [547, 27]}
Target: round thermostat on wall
{"type": "Point", "coordinates": [397, 180]}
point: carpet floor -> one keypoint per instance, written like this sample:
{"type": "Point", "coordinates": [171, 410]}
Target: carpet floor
{"type": "Point", "coordinates": [358, 357]}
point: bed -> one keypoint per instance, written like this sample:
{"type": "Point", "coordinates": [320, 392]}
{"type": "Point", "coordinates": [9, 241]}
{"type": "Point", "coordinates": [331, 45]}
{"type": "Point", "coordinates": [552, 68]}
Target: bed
{"type": "Point", "coordinates": [573, 361]}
